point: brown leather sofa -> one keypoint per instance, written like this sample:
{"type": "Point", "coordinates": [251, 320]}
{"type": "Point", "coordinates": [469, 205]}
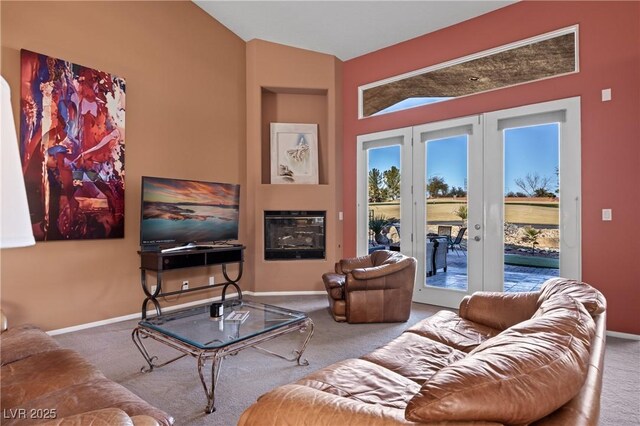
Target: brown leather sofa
{"type": "Point", "coordinates": [42, 383]}
{"type": "Point", "coordinates": [373, 288]}
{"type": "Point", "coordinates": [506, 358]}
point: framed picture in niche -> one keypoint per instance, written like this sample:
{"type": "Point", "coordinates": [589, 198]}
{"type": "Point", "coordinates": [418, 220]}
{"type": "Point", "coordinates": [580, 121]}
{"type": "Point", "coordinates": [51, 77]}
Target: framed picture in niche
{"type": "Point", "coordinates": [294, 153]}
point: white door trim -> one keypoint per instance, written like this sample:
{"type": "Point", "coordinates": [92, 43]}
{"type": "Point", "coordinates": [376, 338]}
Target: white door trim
{"type": "Point", "coordinates": [485, 270]}
{"type": "Point", "coordinates": [567, 112]}
{"type": "Point", "coordinates": [470, 126]}
{"type": "Point", "coordinates": [386, 138]}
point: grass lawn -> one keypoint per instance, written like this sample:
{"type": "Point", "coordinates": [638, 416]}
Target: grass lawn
{"type": "Point", "coordinates": [532, 211]}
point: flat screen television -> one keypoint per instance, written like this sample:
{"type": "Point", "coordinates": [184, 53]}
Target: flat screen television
{"type": "Point", "coordinates": [178, 212]}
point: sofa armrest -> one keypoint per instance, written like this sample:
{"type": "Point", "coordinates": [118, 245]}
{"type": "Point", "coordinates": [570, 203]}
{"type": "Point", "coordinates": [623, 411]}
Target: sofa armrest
{"type": "Point", "coordinates": [144, 420]}
{"type": "Point", "coordinates": [301, 405]}
{"type": "Point", "coordinates": [584, 408]}
{"type": "Point", "coordinates": [4, 324]}
{"type": "Point", "coordinates": [499, 310]}
{"type": "Point", "coordinates": [382, 270]}
{"type": "Point", "coordinates": [347, 265]}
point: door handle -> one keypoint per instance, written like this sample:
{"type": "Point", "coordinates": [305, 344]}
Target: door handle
{"type": "Point", "coordinates": [476, 238]}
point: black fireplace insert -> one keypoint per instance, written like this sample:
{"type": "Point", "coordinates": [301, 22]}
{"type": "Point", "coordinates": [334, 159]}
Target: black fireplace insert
{"type": "Point", "coordinates": [291, 235]}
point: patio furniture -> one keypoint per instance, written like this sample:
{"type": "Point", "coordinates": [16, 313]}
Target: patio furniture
{"type": "Point", "coordinates": [456, 243]}
{"type": "Point", "coordinates": [444, 230]}
{"type": "Point", "coordinates": [429, 257]}
{"type": "Point", "coordinates": [436, 255]}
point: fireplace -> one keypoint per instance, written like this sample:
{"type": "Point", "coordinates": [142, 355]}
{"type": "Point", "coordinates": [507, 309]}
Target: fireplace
{"type": "Point", "coordinates": [291, 235]}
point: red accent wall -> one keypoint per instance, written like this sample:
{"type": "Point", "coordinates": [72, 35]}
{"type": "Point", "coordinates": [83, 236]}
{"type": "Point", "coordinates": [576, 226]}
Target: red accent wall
{"type": "Point", "coordinates": [609, 48]}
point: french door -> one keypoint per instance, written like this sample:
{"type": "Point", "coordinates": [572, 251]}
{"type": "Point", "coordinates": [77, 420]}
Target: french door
{"type": "Point", "coordinates": [379, 153]}
{"type": "Point", "coordinates": [458, 178]}
{"type": "Point", "coordinates": [448, 151]}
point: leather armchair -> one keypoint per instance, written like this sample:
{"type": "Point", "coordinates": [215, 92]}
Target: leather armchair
{"type": "Point", "coordinates": [373, 288]}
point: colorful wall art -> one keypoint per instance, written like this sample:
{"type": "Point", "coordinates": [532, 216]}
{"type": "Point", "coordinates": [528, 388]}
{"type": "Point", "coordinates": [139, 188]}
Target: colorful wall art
{"type": "Point", "coordinates": [72, 147]}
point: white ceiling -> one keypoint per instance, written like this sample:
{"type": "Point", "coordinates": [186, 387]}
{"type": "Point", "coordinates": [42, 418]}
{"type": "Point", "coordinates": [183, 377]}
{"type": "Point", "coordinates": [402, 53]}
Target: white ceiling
{"type": "Point", "coordinates": [346, 29]}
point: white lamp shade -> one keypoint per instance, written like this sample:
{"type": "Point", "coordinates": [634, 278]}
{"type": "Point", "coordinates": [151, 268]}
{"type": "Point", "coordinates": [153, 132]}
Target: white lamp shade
{"type": "Point", "coordinates": [15, 230]}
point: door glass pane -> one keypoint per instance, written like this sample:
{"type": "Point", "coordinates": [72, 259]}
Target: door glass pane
{"type": "Point", "coordinates": [531, 206]}
{"type": "Point", "coordinates": [446, 211]}
{"type": "Point", "coordinates": [383, 197]}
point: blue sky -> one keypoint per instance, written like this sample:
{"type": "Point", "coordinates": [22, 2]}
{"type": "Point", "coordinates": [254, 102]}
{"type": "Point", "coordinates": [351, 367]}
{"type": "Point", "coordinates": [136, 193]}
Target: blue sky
{"type": "Point", "coordinates": [527, 150]}
{"type": "Point", "coordinates": [410, 103]}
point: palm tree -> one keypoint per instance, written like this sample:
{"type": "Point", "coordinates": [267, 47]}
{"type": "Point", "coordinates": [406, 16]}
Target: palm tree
{"type": "Point", "coordinates": [462, 212]}
{"type": "Point", "coordinates": [531, 235]}
{"type": "Point", "coordinates": [377, 224]}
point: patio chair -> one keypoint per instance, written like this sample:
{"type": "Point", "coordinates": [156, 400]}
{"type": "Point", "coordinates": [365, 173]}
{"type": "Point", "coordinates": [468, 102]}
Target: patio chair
{"type": "Point", "coordinates": [429, 258]}
{"type": "Point", "coordinates": [444, 230]}
{"type": "Point", "coordinates": [436, 255]}
{"type": "Point", "coordinates": [456, 243]}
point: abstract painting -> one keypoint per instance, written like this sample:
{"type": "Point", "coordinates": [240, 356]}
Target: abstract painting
{"type": "Point", "coordinates": [294, 153]}
{"type": "Point", "coordinates": [72, 147]}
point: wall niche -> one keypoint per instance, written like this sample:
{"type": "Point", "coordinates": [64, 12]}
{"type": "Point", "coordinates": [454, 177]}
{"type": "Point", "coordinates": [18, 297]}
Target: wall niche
{"type": "Point", "coordinates": [291, 105]}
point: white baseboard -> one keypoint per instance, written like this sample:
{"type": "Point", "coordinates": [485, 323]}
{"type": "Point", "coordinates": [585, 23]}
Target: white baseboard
{"type": "Point", "coordinates": [176, 307]}
{"type": "Point", "coordinates": [285, 293]}
{"type": "Point", "coordinates": [71, 329]}
{"type": "Point", "coordinates": [627, 336]}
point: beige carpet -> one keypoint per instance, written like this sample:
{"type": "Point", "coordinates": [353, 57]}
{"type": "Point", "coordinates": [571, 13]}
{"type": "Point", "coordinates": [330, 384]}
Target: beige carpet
{"type": "Point", "coordinates": [176, 387]}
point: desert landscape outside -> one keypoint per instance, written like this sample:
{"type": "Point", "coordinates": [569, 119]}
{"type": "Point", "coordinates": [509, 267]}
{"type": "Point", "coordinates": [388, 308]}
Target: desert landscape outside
{"type": "Point", "coordinates": [519, 213]}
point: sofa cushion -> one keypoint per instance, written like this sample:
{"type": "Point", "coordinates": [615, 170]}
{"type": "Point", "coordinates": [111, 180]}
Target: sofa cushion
{"type": "Point", "coordinates": [593, 301]}
{"type": "Point", "coordinates": [43, 373]}
{"type": "Point", "coordinates": [415, 357]}
{"type": "Point", "coordinates": [448, 328]}
{"type": "Point", "coordinates": [296, 405]}
{"type": "Point", "coordinates": [23, 341]}
{"type": "Point", "coordinates": [521, 375]}
{"type": "Point", "coordinates": [104, 417]}
{"type": "Point", "coordinates": [363, 381]}
{"type": "Point", "coordinates": [89, 396]}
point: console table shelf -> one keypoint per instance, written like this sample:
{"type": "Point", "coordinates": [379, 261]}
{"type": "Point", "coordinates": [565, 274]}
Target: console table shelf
{"type": "Point", "coordinates": [158, 262]}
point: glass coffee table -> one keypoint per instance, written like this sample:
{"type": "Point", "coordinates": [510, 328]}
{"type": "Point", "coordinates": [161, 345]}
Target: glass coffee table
{"type": "Point", "coordinates": [195, 332]}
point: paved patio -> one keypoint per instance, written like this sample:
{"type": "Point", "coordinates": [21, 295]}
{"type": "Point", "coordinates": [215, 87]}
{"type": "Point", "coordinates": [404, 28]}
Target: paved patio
{"type": "Point", "coordinates": [516, 278]}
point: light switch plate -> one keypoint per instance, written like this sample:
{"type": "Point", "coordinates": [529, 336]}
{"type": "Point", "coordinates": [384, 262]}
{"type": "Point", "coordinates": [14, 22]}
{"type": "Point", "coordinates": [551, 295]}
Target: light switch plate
{"type": "Point", "coordinates": [606, 95]}
{"type": "Point", "coordinates": [606, 214]}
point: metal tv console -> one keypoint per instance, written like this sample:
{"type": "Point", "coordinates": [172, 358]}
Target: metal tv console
{"type": "Point", "coordinates": [192, 257]}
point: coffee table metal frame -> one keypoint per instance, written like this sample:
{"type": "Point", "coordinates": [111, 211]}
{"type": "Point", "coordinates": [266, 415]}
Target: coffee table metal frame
{"type": "Point", "coordinates": [216, 355]}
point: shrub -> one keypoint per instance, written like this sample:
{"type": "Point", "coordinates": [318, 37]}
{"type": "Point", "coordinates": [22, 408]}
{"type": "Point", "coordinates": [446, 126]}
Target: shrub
{"type": "Point", "coordinates": [531, 235]}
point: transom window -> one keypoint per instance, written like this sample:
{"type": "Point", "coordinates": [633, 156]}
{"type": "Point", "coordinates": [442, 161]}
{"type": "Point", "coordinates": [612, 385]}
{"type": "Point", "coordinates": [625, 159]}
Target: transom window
{"type": "Point", "coordinates": [544, 56]}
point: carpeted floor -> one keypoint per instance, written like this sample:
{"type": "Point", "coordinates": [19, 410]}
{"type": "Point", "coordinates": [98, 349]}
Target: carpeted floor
{"type": "Point", "coordinates": [176, 387]}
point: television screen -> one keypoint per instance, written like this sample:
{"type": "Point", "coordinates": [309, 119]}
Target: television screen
{"type": "Point", "coordinates": [176, 211]}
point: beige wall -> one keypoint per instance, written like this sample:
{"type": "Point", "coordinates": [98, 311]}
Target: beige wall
{"type": "Point", "coordinates": [291, 85]}
{"type": "Point", "coordinates": [186, 109]}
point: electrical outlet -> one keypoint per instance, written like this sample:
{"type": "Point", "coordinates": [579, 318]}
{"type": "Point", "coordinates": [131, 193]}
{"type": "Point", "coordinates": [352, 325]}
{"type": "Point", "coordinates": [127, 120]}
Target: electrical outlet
{"type": "Point", "coordinates": [212, 280]}
{"type": "Point", "coordinates": [185, 285]}
{"type": "Point", "coordinates": [153, 288]}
